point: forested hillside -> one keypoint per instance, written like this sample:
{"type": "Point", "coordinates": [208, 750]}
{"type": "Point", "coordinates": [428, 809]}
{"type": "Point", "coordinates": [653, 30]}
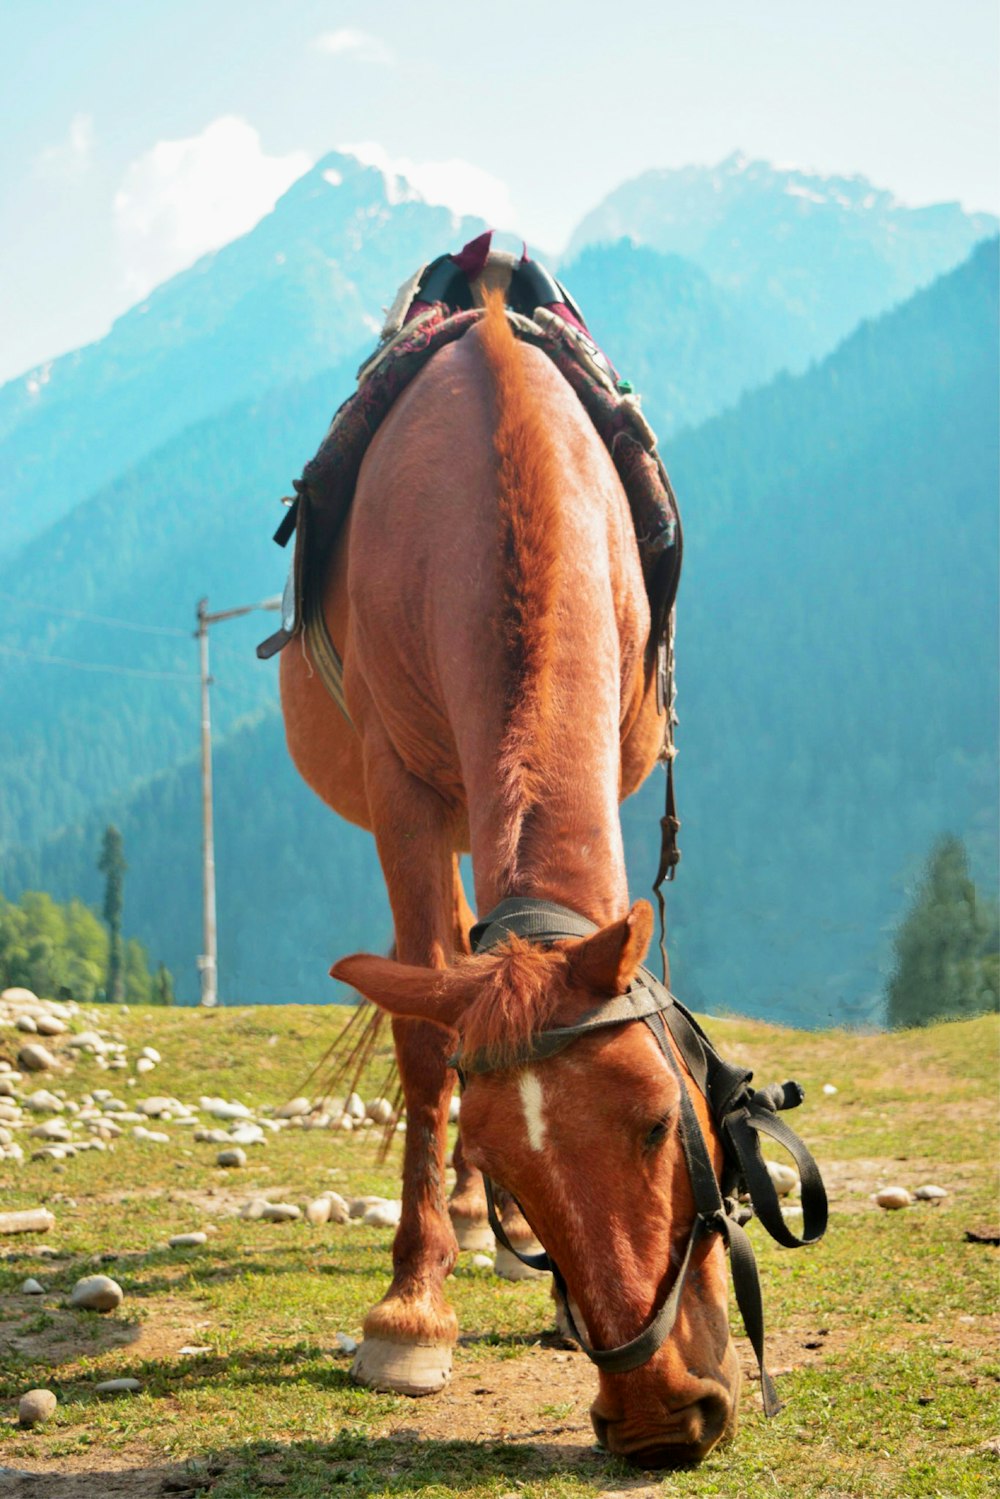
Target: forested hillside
{"type": "Point", "coordinates": [837, 661]}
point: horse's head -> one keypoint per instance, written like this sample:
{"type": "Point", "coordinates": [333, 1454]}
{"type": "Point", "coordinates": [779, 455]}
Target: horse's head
{"type": "Point", "coordinates": [588, 1142]}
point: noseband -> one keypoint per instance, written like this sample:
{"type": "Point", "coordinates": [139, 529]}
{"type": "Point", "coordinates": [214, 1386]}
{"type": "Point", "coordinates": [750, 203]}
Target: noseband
{"type": "Point", "coordinates": [741, 1115]}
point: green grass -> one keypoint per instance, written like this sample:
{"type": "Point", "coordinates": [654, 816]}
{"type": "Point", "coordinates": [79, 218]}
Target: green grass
{"type": "Point", "coordinates": [884, 1336]}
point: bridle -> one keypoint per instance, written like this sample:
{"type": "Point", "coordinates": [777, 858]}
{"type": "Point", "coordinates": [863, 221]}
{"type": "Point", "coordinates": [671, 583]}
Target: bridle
{"type": "Point", "coordinates": [741, 1115]}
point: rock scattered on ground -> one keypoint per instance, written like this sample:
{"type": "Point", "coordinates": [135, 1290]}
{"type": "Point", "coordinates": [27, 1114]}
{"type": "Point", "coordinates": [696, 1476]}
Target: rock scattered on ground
{"type": "Point", "coordinates": [36, 1406]}
{"type": "Point", "coordinates": [188, 1241]}
{"type": "Point", "coordinates": [893, 1198]}
{"type": "Point", "coordinates": [346, 1344]}
{"type": "Point", "coordinates": [235, 1157]}
{"type": "Point", "coordinates": [785, 1178]}
{"type": "Point", "coordinates": [118, 1387]}
{"type": "Point", "coordinates": [383, 1215]}
{"type": "Point", "coordinates": [97, 1293]}
{"type": "Point", "coordinates": [36, 1058]}
{"type": "Point", "coordinates": [929, 1193]}
{"type": "Point", "coordinates": [281, 1212]}
{"type": "Point", "coordinates": [32, 1287]}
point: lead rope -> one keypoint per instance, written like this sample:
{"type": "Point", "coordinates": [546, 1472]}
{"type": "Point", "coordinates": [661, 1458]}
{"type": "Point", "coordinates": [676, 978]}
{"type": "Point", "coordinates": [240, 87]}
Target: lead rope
{"type": "Point", "coordinates": [670, 857]}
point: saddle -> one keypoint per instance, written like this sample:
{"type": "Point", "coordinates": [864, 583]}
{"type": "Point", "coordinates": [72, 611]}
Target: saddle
{"type": "Point", "coordinates": [436, 306]}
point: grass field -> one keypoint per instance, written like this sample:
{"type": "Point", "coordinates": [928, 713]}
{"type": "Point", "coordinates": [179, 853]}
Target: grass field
{"type": "Point", "coordinates": [884, 1338]}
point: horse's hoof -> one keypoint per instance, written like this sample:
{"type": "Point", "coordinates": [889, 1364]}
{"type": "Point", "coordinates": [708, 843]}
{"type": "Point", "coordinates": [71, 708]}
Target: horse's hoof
{"type": "Point", "coordinates": [509, 1267]}
{"type": "Point", "coordinates": [402, 1368]}
{"type": "Point", "coordinates": [472, 1233]}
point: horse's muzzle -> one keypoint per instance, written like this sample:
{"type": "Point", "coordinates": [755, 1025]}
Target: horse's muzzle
{"type": "Point", "coordinates": [688, 1436]}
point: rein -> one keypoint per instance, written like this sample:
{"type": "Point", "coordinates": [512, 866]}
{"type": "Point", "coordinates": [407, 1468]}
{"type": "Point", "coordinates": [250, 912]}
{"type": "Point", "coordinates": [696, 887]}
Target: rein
{"type": "Point", "coordinates": [741, 1113]}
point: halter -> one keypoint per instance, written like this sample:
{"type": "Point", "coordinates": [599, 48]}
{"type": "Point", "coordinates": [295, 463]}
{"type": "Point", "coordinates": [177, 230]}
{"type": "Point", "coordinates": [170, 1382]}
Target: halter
{"type": "Point", "coordinates": [741, 1115]}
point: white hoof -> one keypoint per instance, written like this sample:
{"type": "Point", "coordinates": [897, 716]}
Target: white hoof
{"type": "Point", "coordinates": [402, 1368]}
{"type": "Point", "coordinates": [472, 1233]}
{"type": "Point", "coordinates": [509, 1267]}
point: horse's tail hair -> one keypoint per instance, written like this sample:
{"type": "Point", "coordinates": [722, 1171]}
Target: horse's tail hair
{"type": "Point", "coordinates": [528, 483]}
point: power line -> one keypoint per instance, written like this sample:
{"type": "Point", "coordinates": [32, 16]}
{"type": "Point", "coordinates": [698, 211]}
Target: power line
{"type": "Point", "coordinates": [121, 671]}
{"type": "Point", "coordinates": [96, 619]}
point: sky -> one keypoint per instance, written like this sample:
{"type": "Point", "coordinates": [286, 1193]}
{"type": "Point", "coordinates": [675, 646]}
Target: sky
{"type": "Point", "coordinates": [136, 136]}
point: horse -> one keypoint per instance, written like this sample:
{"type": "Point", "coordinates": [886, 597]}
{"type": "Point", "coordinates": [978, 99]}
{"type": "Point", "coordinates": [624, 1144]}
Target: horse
{"type": "Point", "coordinates": [487, 600]}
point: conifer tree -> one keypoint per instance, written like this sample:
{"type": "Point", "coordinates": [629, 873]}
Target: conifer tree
{"type": "Point", "coordinates": [163, 986]}
{"type": "Point", "coordinates": [946, 948]}
{"type": "Point", "coordinates": [112, 865]}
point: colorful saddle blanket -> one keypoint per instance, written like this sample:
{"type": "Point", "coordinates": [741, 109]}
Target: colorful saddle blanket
{"type": "Point", "coordinates": [435, 307]}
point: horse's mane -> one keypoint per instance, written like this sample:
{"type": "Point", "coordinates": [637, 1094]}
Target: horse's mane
{"type": "Point", "coordinates": [518, 992]}
{"type": "Point", "coordinates": [531, 543]}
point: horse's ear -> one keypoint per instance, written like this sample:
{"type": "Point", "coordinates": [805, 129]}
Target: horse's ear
{"type": "Point", "coordinates": [607, 961]}
{"type": "Point", "coordinates": [436, 994]}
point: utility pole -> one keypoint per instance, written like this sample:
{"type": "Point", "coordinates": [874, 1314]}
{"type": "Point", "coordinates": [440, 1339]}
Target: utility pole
{"type": "Point", "coordinates": [208, 959]}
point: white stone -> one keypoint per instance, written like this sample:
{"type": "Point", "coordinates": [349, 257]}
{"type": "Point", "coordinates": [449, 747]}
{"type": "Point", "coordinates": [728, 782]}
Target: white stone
{"type": "Point", "coordinates": [784, 1178]}
{"type": "Point", "coordinates": [354, 1107]}
{"type": "Point", "coordinates": [233, 1157]}
{"type": "Point", "coordinates": [35, 1406]}
{"type": "Point", "coordinates": [892, 1198]}
{"type": "Point", "coordinates": [97, 1293]}
{"type": "Point", "coordinates": [152, 1053]}
{"type": "Point", "coordinates": [339, 1210]}
{"type": "Point", "coordinates": [247, 1134]}
{"type": "Point", "coordinates": [319, 1212]}
{"type": "Point", "coordinates": [930, 1194]}
{"type": "Point", "coordinates": [44, 1102]}
{"type": "Point", "coordinates": [35, 1058]}
{"type": "Point", "coordinates": [118, 1387]}
{"type": "Point", "coordinates": [253, 1209]}
{"type": "Point", "coordinates": [7, 1086]}
{"type": "Point", "coordinates": [281, 1212]}
{"type": "Point", "coordinates": [144, 1064]}
{"type": "Point", "coordinates": [27, 1023]}
{"type": "Point", "coordinates": [383, 1215]}
{"type": "Point", "coordinates": [151, 1136]}
{"type": "Point", "coordinates": [51, 1129]}
{"type": "Point", "coordinates": [454, 1108]}
{"type": "Point", "coordinates": [188, 1241]}
{"type": "Point", "coordinates": [88, 1041]}
{"type": "Point", "coordinates": [380, 1111]}
{"type": "Point", "coordinates": [345, 1122]}
{"type": "Point", "coordinates": [50, 1025]}
{"type": "Point", "coordinates": [32, 1288]}
{"type": "Point", "coordinates": [295, 1108]}
{"type": "Point", "coordinates": [829, 1089]}
{"type": "Point", "coordinates": [346, 1344]}
{"type": "Point", "coordinates": [220, 1109]}
{"type": "Point", "coordinates": [482, 1261]}
{"type": "Point", "coordinates": [18, 996]}
{"type": "Point", "coordinates": [153, 1107]}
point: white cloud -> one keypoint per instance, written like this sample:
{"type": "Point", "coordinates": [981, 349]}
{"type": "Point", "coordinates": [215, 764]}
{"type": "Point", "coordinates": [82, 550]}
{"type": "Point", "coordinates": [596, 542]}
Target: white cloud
{"type": "Point", "coordinates": [348, 41]}
{"type": "Point", "coordinates": [183, 198]}
{"type": "Point", "coordinates": [72, 156]}
{"type": "Point", "coordinates": [456, 184]}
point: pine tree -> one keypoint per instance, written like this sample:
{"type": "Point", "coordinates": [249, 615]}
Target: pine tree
{"type": "Point", "coordinates": [163, 986]}
{"type": "Point", "coordinates": [112, 865]}
{"type": "Point", "coordinates": [946, 947]}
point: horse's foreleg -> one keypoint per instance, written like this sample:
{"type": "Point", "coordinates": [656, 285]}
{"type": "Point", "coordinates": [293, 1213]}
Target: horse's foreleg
{"type": "Point", "coordinates": [409, 1334]}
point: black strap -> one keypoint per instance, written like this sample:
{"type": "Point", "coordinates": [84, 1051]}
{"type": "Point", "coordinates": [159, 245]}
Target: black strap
{"type": "Point", "coordinates": [670, 857]}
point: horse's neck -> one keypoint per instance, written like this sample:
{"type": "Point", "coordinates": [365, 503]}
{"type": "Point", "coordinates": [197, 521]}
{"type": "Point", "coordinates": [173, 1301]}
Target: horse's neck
{"type": "Point", "coordinates": [563, 842]}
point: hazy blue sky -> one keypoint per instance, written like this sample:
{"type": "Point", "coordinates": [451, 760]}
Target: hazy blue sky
{"type": "Point", "coordinates": [134, 134]}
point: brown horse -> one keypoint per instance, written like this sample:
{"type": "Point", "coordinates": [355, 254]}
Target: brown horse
{"type": "Point", "coordinates": [488, 604]}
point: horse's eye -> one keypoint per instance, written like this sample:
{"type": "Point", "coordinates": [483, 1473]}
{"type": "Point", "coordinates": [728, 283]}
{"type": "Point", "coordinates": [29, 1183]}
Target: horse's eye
{"type": "Point", "coordinates": [657, 1134]}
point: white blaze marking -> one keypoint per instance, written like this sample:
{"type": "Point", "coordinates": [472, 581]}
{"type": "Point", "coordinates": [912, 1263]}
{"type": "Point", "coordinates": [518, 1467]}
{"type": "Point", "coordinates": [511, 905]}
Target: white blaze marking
{"type": "Point", "coordinates": [531, 1097]}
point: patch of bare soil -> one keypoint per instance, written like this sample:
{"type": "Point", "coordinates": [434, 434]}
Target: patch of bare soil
{"type": "Point", "coordinates": [849, 1184]}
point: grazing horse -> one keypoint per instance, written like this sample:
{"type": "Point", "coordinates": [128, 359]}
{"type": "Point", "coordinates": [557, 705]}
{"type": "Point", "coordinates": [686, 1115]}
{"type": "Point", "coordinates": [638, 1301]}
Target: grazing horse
{"type": "Point", "coordinates": [487, 600]}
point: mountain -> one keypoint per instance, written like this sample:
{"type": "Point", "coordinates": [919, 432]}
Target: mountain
{"type": "Point", "coordinates": [688, 346]}
{"type": "Point", "coordinates": [837, 671]}
{"type": "Point", "coordinates": [299, 293]}
{"type": "Point", "coordinates": [812, 255]}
